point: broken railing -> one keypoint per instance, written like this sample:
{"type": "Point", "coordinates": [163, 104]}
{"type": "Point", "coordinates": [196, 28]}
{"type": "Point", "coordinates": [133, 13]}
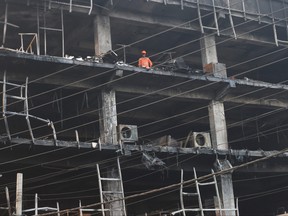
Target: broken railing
{"type": "Point", "coordinates": [21, 97]}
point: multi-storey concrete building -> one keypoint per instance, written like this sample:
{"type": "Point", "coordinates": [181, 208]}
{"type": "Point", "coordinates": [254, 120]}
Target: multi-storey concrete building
{"type": "Point", "coordinates": [215, 98]}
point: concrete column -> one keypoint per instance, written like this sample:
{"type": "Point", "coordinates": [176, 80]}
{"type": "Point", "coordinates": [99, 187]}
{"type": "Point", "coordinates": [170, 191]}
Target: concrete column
{"type": "Point", "coordinates": [227, 193]}
{"type": "Point", "coordinates": [218, 127]}
{"type": "Point", "coordinates": [102, 34]}
{"type": "Point", "coordinates": [210, 59]}
{"type": "Point", "coordinates": [108, 117]}
{"type": "Point", "coordinates": [208, 49]}
{"type": "Point", "coordinates": [217, 119]}
{"type": "Point", "coordinates": [226, 187]}
{"type": "Point", "coordinates": [219, 141]}
{"type": "Point", "coordinates": [216, 108]}
{"type": "Point", "coordinates": [114, 186]}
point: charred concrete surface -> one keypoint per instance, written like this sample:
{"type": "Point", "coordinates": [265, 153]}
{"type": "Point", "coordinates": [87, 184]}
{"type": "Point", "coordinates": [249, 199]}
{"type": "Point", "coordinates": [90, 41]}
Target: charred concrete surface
{"type": "Point", "coordinates": [219, 70]}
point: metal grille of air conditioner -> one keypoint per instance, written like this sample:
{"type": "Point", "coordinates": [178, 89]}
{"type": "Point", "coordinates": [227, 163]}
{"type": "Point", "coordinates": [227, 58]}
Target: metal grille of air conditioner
{"type": "Point", "coordinates": [201, 140]}
{"type": "Point", "coordinates": [127, 133]}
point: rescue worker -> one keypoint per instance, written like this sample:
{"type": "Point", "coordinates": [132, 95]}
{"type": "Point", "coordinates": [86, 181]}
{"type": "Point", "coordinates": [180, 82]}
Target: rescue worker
{"type": "Point", "coordinates": [144, 61]}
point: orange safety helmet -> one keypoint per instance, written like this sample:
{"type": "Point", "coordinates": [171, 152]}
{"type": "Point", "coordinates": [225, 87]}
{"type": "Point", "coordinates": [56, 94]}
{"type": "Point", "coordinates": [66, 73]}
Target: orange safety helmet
{"type": "Point", "coordinates": [143, 52]}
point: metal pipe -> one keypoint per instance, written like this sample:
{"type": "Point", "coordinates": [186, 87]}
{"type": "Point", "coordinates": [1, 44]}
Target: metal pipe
{"type": "Point", "coordinates": [45, 36]}
{"type": "Point", "coordinates": [4, 107]}
{"type": "Point", "coordinates": [100, 189]}
{"type": "Point", "coordinates": [54, 133]}
{"type": "Point", "coordinates": [58, 209]}
{"type": "Point", "coordinates": [181, 194]}
{"type": "Point", "coordinates": [10, 24]}
{"type": "Point", "coordinates": [36, 204]}
{"type": "Point", "coordinates": [8, 201]}
{"type": "Point", "coordinates": [77, 138]}
{"type": "Point", "coordinates": [285, 15]}
{"type": "Point", "coordinates": [26, 111]}
{"type": "Point", "coordinates": [259, 12]}
{"type": "Point", "coordinates": [91, 7]}
{"type": "Point", "coordinates": [215, 18]}
{"type": "Point", "coordinates": [231, 19]}
{"type": "Point", "coordinates": [22, 43]}
{"type": "Point", "coordinates": [80, 208]}
{"type": "Point", "coordinates": [199, 17]}
{"type": "Point", "coordinates": [244, 10]}
{"type": "Point", "coordinates": [63, 35]}
{"type": "Point", "coordinates": [38, 31]}
{"type": "Point", "coordinates": [51, 29]}
{"type": "Point", "coordinates": [5, 25]}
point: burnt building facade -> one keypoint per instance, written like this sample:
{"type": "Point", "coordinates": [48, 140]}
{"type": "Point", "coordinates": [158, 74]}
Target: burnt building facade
{"type": "Point", "coordinates": [95, 133]}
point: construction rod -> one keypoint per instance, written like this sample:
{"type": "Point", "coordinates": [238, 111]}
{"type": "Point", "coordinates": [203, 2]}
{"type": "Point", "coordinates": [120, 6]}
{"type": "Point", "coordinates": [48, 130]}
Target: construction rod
{"type": "Point", "coordinates": [36, 204]}
{"type": "Point", "coordinates": [5, 25]}
{"type": "Point", "coordinates": [8, 201]}
{"type": "Point", "coordinates": [63, 35]}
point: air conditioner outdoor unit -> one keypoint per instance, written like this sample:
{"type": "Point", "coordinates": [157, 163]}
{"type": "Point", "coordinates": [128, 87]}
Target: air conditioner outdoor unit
{"type": "Point", "coordinates": [127, 133]}
{"type": "Point", "coordinates": [201, 139]}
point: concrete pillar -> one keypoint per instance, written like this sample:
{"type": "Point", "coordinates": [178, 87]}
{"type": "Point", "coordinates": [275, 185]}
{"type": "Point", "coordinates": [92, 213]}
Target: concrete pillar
{"type": "Point", "coordinates": [102, 34]}
{"type": "Point", "coordinates": [227, 193]}
{"type": "Point", "coordinates": [218, 127]}
{"type": "Point", "coordinates": [108, 117]}
{"type": "Point", "coordinates": [210, 59]}
{"type": "Point", "coordinates": [226, 187]}
{"type": "Point", "coordinates": [217, 119]}
{"type": "Point", "coordinates": [216, 109]}
{"type": "Point", "coordinates": [114, 186]}
{"type": "Point", "coordinates": [208, 49]}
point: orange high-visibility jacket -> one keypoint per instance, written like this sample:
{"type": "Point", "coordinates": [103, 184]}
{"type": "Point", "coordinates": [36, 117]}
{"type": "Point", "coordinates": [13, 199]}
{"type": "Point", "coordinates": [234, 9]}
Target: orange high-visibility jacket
{"type": "Point", "coordinates": [145, 62]}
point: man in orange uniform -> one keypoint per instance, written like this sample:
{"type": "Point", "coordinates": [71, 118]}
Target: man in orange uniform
{"type": "Point", "coordinates": [144, 61]}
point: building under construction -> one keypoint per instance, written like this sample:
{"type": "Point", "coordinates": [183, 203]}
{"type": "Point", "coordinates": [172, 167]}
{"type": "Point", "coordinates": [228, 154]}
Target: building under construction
{"type": "Point", "coordinates": [85, 131]}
